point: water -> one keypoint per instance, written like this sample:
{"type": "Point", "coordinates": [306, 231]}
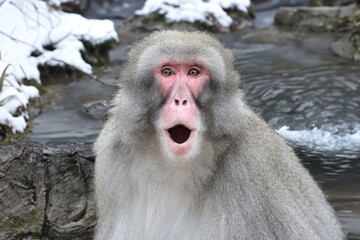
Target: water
{"type": "Point", "coordinates": [62, 119]}
{"type": "Point", "coordinates": [313, 100]}
{"type": "Point", "coordinates": [308, 95]}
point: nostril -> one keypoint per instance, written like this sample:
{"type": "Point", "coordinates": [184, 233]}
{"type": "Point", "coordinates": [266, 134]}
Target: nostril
{"type": "Point", "coordinates": [176, 102]}
{"type": "Point", "coordinates": [184, 102]}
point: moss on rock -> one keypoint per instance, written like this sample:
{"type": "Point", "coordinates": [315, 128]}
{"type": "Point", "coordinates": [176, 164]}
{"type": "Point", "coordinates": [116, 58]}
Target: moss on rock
{"type": "Point", "coordinates": [98, 54]}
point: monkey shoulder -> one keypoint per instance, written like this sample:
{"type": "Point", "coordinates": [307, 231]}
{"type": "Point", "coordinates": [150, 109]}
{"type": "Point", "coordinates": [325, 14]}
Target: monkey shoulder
{"type": "Point", "coordinates": [261, 178]}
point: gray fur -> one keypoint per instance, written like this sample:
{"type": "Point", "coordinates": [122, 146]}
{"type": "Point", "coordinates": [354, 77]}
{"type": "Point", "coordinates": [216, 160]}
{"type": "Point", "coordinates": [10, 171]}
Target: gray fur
{"type": "Point", "coordinates": [245, 182]}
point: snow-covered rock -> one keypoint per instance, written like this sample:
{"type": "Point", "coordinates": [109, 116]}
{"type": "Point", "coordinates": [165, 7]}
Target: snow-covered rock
{"type": "Point", "coordinates": [30, 27]}
{"type": "Point", "coordinates": [209, 12]}
{"type": "Point", "coordinates": [14, 98]}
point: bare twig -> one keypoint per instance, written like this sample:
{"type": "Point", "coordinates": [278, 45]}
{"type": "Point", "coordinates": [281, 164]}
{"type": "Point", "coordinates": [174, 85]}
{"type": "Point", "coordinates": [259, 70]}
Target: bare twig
{"type": "Point", "coordinates": [27, 15]}
{"type": "Point", "coordinates": [44, 15]}
{"type": "Point", "coordinates": [98, 80]}
{"type": "Point", "coordinates": [3, 76]}
{"type": "Point", "coordinates": [22, 69]}
{"type": "Point", "coordinates": [1, 3]}
{"type": "Point", "coordinates": [56, 42]}
{"type": "Point", "coordinates": [18, 40]}
{"type": "Point", "coordinates": [7, 99]}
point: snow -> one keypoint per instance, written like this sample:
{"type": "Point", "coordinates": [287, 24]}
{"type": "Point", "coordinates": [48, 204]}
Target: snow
{"type": "Point", "coordinates": [15, 123]}
{"type": "Point", "coordinates": [194, 10]}
{"type": "Point", "coordinates": [59, 2]}
{"type": "Point", "coordinates": [32, 25]}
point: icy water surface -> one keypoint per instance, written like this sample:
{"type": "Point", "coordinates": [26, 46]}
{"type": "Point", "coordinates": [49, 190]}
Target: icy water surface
{"type": "Point", "coordinates": [312, 98]}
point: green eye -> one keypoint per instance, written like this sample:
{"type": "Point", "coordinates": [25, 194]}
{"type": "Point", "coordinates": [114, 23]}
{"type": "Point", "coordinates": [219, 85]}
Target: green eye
{"type": "Point", "coordinates": [166, 72]}
{"type": "Point", "coordinates": [194, 72]}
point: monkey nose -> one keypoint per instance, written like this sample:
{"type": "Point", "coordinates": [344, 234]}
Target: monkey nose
{"type": "Point", "coordinates": [182, 102]}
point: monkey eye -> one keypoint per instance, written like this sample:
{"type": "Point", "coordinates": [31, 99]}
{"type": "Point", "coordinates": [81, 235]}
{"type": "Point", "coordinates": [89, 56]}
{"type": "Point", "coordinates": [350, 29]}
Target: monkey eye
{"type": "Point", "coordinates": [194, 72]}
{"type": "Point", "coordinates": [166, 72]}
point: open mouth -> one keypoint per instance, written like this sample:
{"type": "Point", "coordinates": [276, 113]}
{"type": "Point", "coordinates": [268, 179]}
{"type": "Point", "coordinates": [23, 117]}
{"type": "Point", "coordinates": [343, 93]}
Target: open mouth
{"type": "Point", "coordinates": [179, 133]}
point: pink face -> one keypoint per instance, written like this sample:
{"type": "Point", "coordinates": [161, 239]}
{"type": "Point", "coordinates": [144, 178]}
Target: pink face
{"type": "Point", "coordinates": [180, 116]}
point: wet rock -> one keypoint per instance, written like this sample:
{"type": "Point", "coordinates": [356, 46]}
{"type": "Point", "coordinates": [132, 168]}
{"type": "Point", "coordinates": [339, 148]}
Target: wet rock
{"type": "Point", "coordinates": [297, 24]}
{"type": "Point", "coordinates": [330, 2]}
{"type": "Point", "coordinates": [319, 29]}
{"type": "Point", "coordinates": [97, 109]}
{"type": "Point", "coordinates": [355, 34]}
{"type": "Point", "coordinates": [318, 42]}
{"type": "Point", "coordinates": [319, 19]}
{"type": "Point", "coordinates": [349, 46]}
{"type": "Point", "coordinates": [344, 47]}
{"type": "Point", "coordinates": [46, 192]}
{"type": "Point", "coordinates": [271, 35]}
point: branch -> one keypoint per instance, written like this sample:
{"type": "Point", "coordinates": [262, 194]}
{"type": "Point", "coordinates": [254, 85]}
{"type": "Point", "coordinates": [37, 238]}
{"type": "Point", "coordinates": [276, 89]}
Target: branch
{"type": "Point", "coordinates": [3, 76]}
{"type": "Point", "coordinates": [18, 40]}
{"type": "Point", "coordinates": [27, 15]}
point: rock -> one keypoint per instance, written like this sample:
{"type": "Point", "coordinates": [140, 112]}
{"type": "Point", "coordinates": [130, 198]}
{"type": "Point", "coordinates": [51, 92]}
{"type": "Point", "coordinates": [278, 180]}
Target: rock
{"type": "Point", "coordinates": [344, 47]}
{"type": "Point", "coordinates": [98, 54]}
{"type": "Point", "coordinates": [22, 192]}
{"type": "Point", "coordinates": [95, 54]}
{"type": "Point", "coordinates": [46, 192]}
{"type": "Point", "coordinates": [315, 28]}
{"type": "Point", "coordinates": [318, 42]}
{"type": "Point", "coordinates": [97, 109]}
{"type": "Point", "coordinates": [349, 46]}
{"type": "Point", "coordinates": [355, 35]}
{"type": "Point", "coordinates": [319, 19]}
{"type": "Point", "coordinates": [156, 21]}
{"type": "Point", "coordinates": [75, 6]}
{"type": "Point", "coordinates": [4, 131]}
{"type": "Point", "coordinates": [330, 2]}
{"type": "Point", "coordinates": [269, 35]}
{"type": "Point", "coordinates": [71, 207]}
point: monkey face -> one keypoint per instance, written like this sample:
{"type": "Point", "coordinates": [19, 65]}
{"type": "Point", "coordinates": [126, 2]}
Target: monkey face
{"type": "Point", "coordinates": [180, 119]}
{"type": "Point", "coordinates": [172, 92]}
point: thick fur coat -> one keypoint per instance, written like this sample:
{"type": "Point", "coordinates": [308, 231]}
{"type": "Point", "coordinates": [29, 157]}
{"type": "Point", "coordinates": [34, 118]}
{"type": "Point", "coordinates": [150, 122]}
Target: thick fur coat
{"type": "Point", "coordinates": [244, 182]}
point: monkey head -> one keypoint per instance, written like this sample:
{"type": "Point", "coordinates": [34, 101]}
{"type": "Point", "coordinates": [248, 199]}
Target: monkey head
{"type": "Point", "coordinates": [176, 79]}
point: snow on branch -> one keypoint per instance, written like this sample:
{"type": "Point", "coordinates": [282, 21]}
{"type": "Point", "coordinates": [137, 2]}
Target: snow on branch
{"type": "Point", "coordinates": [30, 27]}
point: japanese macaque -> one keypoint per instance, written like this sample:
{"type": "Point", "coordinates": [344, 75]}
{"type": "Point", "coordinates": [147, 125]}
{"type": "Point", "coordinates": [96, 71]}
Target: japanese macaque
{"type": "Point", "coordinates": [182, 157]}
